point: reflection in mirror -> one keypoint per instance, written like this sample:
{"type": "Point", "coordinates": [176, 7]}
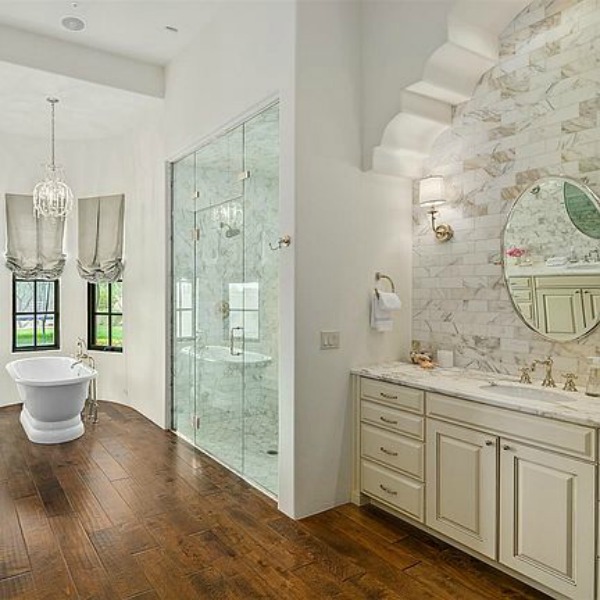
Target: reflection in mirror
{"type": "Point", "coordinates": [582, 210]}
{"type": "Point", "coordinates": [552, 258]}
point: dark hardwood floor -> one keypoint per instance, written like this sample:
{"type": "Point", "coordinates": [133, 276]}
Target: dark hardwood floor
{"type": "Point", "coordinates": [130, 511]}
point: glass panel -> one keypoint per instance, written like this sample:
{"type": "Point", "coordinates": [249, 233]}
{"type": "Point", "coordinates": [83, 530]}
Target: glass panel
{"type": "Point", "coordinates": [101, 330]}
{"type": "Point", "coordinates": [183, 265]}
{"type": "Point", "coordinates": [116, 297]}
{"type": "Point", "coordinates": [261, 315]}
{"type": "Point", "coordinates": [45, 296]}
{"type": "Point", "coordinates": [101, 297]}
{"type": "Point", "coordinates": [24, 296]}
{"type": "Point", "coordinates": [24, 331]}
{"type": "Point", "coordinates": [117, 331]}
{"type": "Point", "coordinates": [45, 329]}
{"type": "Point", "coordinates": [219, 373]}
{"type": "Point", "coordinates": [218, 169]}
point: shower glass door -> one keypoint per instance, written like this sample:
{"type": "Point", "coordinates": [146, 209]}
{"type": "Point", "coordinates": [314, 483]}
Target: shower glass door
{"type": "Point", "coordinates": [219, 267]}
{"type": "Point", "coordinates": [225, 298]}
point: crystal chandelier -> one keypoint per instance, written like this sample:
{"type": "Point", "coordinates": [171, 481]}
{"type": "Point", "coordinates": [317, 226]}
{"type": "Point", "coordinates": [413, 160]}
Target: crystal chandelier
{"type": "Point", "coordinates": [52, 197]}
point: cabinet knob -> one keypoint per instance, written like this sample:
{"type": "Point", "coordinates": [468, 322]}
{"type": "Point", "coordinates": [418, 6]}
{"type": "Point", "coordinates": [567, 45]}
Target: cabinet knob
{"type": "Point", "coordinates": [489, 443]}
{"type": "Point", "coordinates": [506, 447]}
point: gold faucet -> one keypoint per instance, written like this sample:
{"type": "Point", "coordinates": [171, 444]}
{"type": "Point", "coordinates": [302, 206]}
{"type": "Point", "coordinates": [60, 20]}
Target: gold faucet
{"type": "Point", "coordinates": [548, 379]}
{"type": "Point", "coordinates": [525, 375]}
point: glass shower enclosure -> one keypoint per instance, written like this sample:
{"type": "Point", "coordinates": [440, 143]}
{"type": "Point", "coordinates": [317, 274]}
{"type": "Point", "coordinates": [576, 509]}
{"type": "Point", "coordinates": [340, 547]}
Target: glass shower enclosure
{"type": "Point", "coordinates": [225, 308]}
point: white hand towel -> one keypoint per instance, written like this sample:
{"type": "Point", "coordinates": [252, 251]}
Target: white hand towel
{"type": "Point", "coordinates": [381, 310]}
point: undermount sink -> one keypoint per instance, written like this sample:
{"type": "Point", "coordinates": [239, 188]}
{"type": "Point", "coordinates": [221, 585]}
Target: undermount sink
{"type": "Point", "coordinates": [524, 392]}
{"type": "Point", "coordinates": [222, 354]}
{"type": "Point", "coordinates": [586, 266]}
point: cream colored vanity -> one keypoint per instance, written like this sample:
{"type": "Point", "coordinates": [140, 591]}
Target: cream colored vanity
{"type": "Point", "coordinates": [513, 482]}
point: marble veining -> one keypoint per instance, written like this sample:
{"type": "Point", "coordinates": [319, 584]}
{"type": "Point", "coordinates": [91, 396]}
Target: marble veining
{"type": "Point", "coordinates": [575, 407]}
{"type": "Point", "coordinates": [535, 114]}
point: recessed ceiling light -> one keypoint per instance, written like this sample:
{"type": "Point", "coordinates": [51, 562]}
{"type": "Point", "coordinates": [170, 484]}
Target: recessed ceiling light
{"type": "Point", "coordinates": [172, 29]}
{"type": "Point", "coordinates": [72, 23]}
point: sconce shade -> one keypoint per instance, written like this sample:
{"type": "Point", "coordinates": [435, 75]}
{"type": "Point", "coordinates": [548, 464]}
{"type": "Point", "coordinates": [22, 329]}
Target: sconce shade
{"type": "Point", "coordinates": [431, 191]}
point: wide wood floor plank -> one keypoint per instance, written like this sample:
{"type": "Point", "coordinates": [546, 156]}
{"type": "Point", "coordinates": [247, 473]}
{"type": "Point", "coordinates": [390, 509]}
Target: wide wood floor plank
{"type": "Point", "coordinates": [49, 569]}
{"type": "Point", "coordinates": [20, 587]}
{"type": "Point", "coordinates": [13, 552]}
{"type": "Point", "coordinates": [87, 571]}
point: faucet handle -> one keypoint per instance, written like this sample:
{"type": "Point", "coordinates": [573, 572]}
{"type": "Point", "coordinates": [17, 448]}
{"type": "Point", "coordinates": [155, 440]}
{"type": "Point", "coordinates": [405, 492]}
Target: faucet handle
{"type": "Point", "coordinates": [569, 382]}
{"type": "Point", "coordinates": [525, 375]}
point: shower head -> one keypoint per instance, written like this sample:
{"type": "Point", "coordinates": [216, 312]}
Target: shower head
{"type": "Point", "coordinates": [231, 231]}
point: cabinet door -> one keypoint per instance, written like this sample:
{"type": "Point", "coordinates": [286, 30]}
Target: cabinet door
{"type": "Point", "coordinates": [461, 485]}
{"type": "Point", "coordinates": [547, 518]}
{"type": "Point", "coordinates": [560, 312]}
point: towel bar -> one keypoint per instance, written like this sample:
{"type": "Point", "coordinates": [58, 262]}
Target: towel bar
{"type": "Point", "coordinates": [379, 276]}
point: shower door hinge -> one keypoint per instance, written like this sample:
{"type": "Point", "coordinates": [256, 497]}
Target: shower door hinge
{"type": "Point", "coordinates": [243, 175]}
{"type": "Point", "coordinates": [196, 234]}
{"type": "Point", "coordinates": [195, 421]}
{"type": "Point", "coordinates": [197, 194]}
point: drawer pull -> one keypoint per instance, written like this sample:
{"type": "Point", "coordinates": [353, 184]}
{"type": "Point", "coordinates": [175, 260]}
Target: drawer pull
{"type": "Point", "coordinates": [388, 452]}
{"type": "Point", "coordinates": [390, 421]}
{"type": "Point", "coordinates": [387, 490]}
{"type": "Point", "coordinates": [388, 396]}
{"type": "Point", "coordinates": [489, 443]}
{"type": "Point", "coordinates": [506, 447]}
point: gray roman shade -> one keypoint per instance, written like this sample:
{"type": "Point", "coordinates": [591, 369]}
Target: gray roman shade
{"type": "Point", "coordinates": [101, 238]}
{"type": "Point", "coordinates": [34, 246]}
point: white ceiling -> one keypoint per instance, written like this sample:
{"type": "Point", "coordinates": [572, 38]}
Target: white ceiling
{"type": "Point", "coordinates": [131, 28]}
{"type": "Point", "coordinates": [85, 111]}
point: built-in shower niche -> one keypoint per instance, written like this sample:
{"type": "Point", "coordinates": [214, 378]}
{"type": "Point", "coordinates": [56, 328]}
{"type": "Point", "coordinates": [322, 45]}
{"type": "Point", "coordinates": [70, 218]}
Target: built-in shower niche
{"type": "Point", "coordinates": [225, 322]}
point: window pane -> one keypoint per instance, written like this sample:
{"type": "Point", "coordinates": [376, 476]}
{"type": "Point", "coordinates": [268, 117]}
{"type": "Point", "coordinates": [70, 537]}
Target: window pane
{"type": "Point", "coordinates": [24, 296]}
{"type": "Point", "coordinates": [45, 330]}
{"type": "Point", "coordinates": [185, 323]}
{"type": "Point", "coordinates": [117, 331]}
{"type": "Point", "coordinates": [45, 296]}
{"type": "Point", "coordinates": [101, 331]}
{"type": "Point", "coordinates": [101, 297]}
{"type": "Point", "coordinates": [117, 297]}
{"type": "Point", "coordinates": [24, 331]}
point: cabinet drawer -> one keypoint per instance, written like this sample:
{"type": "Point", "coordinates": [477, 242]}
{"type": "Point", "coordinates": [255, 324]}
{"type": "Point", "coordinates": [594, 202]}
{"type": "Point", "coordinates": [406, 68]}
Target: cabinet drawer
{"type": "Point", "coordinates": [519, 282]}
{"type": "Point", "coordinates": [395, 420]}
{"type": "Point", "coordinates": [399, 395]}
{"type": "Point", "coordinates": [401, 492]}
{"type": "Point", "coordinates": [568, 438]}
{"type": "Point", "coordinates": [393, 450]}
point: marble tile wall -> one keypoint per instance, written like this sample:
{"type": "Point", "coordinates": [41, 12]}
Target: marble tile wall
{"type": "Point", "coordinates": [535, 114]}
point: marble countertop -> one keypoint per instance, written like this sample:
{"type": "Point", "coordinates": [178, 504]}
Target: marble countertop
{"type": "Point", "coordinates": [541, 269]}
{"type": "Point", "coordinates": [574, 407]}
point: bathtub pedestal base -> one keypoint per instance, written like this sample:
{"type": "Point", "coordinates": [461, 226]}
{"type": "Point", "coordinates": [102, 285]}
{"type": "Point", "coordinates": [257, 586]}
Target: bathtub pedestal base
{"type": "Point", "coordinates": [55, 432]}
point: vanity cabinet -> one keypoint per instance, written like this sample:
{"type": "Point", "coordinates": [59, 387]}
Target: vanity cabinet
{"type": "Point", "coordinates": [514, 488]}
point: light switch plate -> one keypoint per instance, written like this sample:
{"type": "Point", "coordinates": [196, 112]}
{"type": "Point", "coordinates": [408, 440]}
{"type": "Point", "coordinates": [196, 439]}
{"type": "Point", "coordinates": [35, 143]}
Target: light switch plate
{"type": "Point", "coordinates": [330, 340]}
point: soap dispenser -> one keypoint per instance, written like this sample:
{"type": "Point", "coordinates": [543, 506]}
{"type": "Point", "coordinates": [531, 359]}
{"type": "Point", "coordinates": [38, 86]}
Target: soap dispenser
{"type": "Point", "coordinates": [593, 383]}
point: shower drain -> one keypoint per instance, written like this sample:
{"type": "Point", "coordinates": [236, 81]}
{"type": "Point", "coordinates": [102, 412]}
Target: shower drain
{"type": "Point", "coordinates": [272, 452]}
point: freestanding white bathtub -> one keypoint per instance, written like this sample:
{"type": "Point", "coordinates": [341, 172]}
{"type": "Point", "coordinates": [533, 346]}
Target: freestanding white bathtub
{"type": "Point", "coordinates": [53, 390]}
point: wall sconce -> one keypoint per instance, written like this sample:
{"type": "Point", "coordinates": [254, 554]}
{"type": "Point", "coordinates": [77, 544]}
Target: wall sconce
{"type": "Point", "coordinates": [432, 194]}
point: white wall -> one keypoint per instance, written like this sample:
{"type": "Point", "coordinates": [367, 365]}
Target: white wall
{"type": "Point", "coordinates": [397, 39]}
{"type": "Point", "coordinates": [349, 225]}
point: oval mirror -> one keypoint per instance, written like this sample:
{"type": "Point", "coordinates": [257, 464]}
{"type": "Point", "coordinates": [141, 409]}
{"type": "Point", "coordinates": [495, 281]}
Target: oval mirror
{"type": "Point", "coordinates": [551, 249]}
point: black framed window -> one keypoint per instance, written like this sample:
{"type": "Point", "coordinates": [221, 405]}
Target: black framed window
{"type": "Point", "coordinates": [105, 316]}
{"type": "Point", "coordinates": [35, 310]}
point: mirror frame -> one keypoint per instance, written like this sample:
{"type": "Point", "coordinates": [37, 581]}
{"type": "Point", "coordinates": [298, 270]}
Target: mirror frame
{"type": "Point", "coordinates": [583, 185]}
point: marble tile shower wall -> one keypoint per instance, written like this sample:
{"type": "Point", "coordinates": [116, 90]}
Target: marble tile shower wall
{"type": "Point", "coordinates": [534, 114]}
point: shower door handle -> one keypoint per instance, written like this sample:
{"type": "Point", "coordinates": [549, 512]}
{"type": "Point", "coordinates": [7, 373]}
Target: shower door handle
{"type": "Point", "coordinates": [232, 349]}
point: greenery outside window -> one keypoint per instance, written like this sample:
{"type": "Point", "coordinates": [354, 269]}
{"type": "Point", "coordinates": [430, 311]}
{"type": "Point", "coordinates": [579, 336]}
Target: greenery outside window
{"type": "Point", "coordinates": [35, 315]}
{"type": "Point", "coordinates": [105, 316]}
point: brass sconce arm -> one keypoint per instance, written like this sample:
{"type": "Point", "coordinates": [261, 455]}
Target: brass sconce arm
{"type": "Point", "coordinates": [443, 232]}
